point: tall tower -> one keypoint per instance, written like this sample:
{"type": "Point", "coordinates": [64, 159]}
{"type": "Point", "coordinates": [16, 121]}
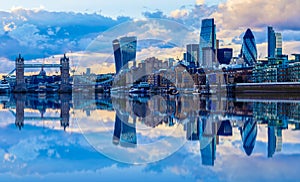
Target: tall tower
{"type": "Point", "coordinates": [249, 51]}
{"type": "Point", "coordinates": [117, 55]}
{"type": "Point", "coordinates": [207, 44]}
{"type": "Point", "coordinates": [124, 52]}
{"type": "Point", "coordinates": [65, 74]}
{"type": "Point", "coordinates": [271, 42]}
{"type": "Point", "coordinates": [20, 81]}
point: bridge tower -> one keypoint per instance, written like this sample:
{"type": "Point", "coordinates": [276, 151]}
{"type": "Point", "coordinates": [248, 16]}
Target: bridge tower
{"type": "Point", "coordinates": [65, 75]}
{"type": "Point", "coordinates": [20, 80]}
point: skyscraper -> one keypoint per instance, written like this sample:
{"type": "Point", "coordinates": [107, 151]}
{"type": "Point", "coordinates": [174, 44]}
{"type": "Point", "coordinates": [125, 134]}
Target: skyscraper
{"type": "Point", "coordinates": [192, 54]}
{"type": "Point", "coordinates": [224, 55]}
{"type": "Point", "coordinates": [207, 45]}
{"type": "Point", "coordinates": [124, 51]}
{"type": "Point", "coordinates": [274, 43]}
{"type": "Point", "coordinates": [271, 42]}
{"type": "Point", "coordinates": [249, 51]}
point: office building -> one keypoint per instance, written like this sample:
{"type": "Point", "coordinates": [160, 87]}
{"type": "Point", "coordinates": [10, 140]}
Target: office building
{"type": "Point", "coordinates": [124, 52]}
{"type": "Point", "coordinates": [249, 51]}
{"type": "Point", "coordinates": [207, 41]}
{"type": "Point", "coordinates": [274, 43]}
{"type": "Point", "coordinates": [192, 54]}
{"type": "Point", "coordinates": [224, 55]}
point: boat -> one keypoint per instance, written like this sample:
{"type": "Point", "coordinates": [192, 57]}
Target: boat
{"type": "Point", "coordinates": [141, 88]}
{"type": "Point", "coordinates": [4, 86]}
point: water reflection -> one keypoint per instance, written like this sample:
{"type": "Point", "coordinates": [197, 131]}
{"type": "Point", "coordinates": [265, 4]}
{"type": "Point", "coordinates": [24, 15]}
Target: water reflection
{"type": "Point", "coordinates": [145, 120]}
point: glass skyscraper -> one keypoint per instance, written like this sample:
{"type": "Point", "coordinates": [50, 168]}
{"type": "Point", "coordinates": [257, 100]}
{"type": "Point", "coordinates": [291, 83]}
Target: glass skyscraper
{"type": "Point", "coordinates": [274, 43]}
{"type": "Point", "coordinates": [124, 51]}
{"type": "Point", "coordinates": [224, 55]}
{"type": "Point", "coordinates": [249, 51]}
{"type": "Point", "coordinates": [192, 54]}
{"type": "Point", "coordinates": [207, 45]}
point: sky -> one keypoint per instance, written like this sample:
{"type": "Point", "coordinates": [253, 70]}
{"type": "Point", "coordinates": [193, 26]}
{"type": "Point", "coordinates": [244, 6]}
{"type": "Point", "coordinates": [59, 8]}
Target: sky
{"type": "Point", "coordinates": [111, 8]}
{"type": "Point", "coordinates": [39, 29]}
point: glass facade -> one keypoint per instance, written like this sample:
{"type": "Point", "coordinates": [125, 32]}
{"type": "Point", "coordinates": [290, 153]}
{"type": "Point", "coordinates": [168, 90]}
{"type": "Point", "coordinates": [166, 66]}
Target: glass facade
{"type": "Point", "coordinates": [225, 55]}
{"type": "Point", "coordinates": [278, 48]}
{"type": "Point", "coordinates": [271, 42]}
{"type": "Point", "coordinates": [249, 51]}
{"type": "Point", "coordinates": [274, 43]}
{"type": "Point", "coordinates": [207, 40]}
{"type": "Point", "coordinates": [192, 54]}
{"type": "Point", "coordinates": [124, 51]}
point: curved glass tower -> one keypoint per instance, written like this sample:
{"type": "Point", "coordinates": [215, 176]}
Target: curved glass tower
{"type": "Point", "coordinates": [249, 51]}
{"type": "Point", "coordinates": [124, 51]}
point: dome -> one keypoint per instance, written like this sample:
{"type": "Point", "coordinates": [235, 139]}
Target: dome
{"type": "Point", "coordinates": [42, 72]}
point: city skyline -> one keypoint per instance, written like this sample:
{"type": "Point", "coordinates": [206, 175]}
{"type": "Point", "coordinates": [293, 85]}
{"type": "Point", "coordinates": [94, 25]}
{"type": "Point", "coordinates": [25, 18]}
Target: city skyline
{"type": "Point", "coordinates": [44, 37]}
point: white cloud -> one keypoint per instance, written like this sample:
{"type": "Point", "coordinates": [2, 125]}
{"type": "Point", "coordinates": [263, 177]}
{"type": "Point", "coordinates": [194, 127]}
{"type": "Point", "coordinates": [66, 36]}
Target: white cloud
{"type": "Point", "coordinates": [235, 14]}
{"type": "Point", "coordinates": [200, 2]}
{"type": "Point", "coordinates": [179, 13]}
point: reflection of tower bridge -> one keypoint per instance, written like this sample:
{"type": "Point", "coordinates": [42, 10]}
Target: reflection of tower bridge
{"type": "Point", "coordinates": [20, 102]}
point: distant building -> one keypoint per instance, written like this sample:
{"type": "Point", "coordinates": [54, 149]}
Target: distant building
{"type": "Point", "coordinates": [124, 51]}
{"type": "Point", "coordinates": [274, 43]}
{"type": "Point", "coordinates": [207, 41]}
{"type": "Point", "coordinates": [249, 51]}
{"type": "Point", "coordinates": [192, 54]}
{"type": "Point", "coordinates": [224, 55]}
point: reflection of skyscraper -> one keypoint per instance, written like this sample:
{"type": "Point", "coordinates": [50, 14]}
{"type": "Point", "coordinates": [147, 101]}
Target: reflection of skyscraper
{"type": "Point", "coordinates": [225, 128]}
{"type": "Point", "coordinates": [192, 54]}
{"type": "Point", "coordinates": [274, 43]}
{"type": "Point", "coordinates": [207, 139]}
{"type": "Point", "coordinates": [207, 42]}
{"type": "Point", "coordinates": [249, 51]}
{"type": "Point", "coordinates": [249, 133]}
{"type": "Point", "coordinates": [117, 130]}
{"type": "Point", "coordinates": [208, 152]}
{"type": "Point", "coordinates": [124, 132]}
{"type": "Point", "coordinates": [124, 51]}
{"type": "Point", "coordinates": [271, 141]}
{"type": "Point", "coordinates": [192, 130]}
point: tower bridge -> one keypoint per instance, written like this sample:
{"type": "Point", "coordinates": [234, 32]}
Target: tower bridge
{"type": "Point", "coordinates": [64, 66]}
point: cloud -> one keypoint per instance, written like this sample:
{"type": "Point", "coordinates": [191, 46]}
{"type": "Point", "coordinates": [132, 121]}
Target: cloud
{"type": "Point", "coordinates": [37, 33]}
{"type": "Point", "coordinates": [235, 14]}
{"type": "Point", "coordinates": [200, 2]}
{"type": "Point", "coordinates": [179, 13]}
